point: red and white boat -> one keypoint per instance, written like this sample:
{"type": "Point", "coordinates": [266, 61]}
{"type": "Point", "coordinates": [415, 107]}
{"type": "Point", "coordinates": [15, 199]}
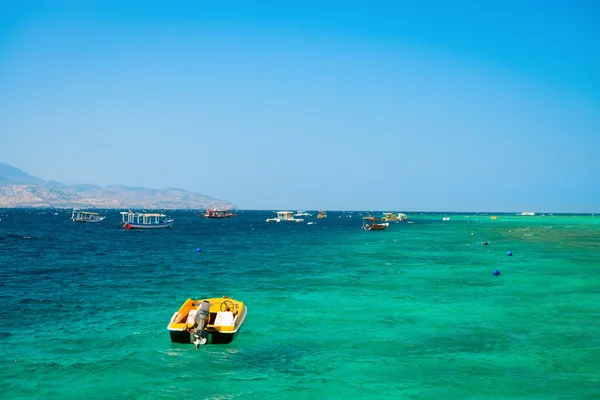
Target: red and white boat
{"type": "Point", "coordinates": [216, 213]}
{"type": "Point", "coordinates": [374, 224]}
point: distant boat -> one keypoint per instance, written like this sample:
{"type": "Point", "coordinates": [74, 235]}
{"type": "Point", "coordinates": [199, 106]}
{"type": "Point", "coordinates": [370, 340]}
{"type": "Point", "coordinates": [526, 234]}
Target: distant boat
{"type": "Point", "coordinates": [390, 216]}
{"type": "Point", "coordinates": [216, 213]}
{"type": "Point", "coordinates": [302, 213]}
{"type": "Point", "coordinates": [494, 217]}
{"type": "Point", "coordinates": [322, 214]}
{"type": "Point", "coordinates": [374, 224]}
{"type": "Point", "coordinates": [284, 216]}
{"type": "Point", "coordinates": [134, 220]}
{"type": "Point", "coordinates": [86, 216]}
{"type": "Point", "coordinates": [446, 219]}
{"type": "Point", "coordinates": [527, 213]}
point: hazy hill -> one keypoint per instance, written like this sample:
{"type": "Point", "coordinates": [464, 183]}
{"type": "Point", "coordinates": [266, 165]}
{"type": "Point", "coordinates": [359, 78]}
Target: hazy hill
{"type": "Point", "coordinates": [10, 175]}
{"type": "Point", "coordinates": [18, 189]}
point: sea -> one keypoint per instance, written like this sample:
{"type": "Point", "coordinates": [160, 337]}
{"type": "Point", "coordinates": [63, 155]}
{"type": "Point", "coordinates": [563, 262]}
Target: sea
{"type": "Point", "coordinates": [334, 312]}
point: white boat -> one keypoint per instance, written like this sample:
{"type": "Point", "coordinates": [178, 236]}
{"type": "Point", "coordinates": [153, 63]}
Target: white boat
{"type": "Point", "coordinates": [285, 216]}
{"type": "Point", "coordinates": [527, 213]}
{"type": "Point", "coordinates": [135, 220]}
{"type": "Point", "coordinates": [302, 213]}
{"type": "Point", "coordinates": [86, 216]}
{"type": "Point", "coordinates": [390, 216]}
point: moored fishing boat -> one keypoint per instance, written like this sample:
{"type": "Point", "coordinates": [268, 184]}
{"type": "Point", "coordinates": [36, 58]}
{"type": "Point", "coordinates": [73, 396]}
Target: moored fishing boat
{"type": "Point", "coordinates": [86, 216]}
{"type": "Point", "coordinates": [212, 320]}
{"type": "Point", "coordinates": [216, 213]}
{"type": "Point", "coordinates": [285, 216]}
{"type": "Point", "coordinates": [302, 213]}
{"type": "Point", "coordinates": [134, 220]}
{"type": "Point", "coordinates": [374, 224]}
{"type": "Point", "coordinates": [322, 214]}
{"type": "Point", "coordinates": [390, 216]}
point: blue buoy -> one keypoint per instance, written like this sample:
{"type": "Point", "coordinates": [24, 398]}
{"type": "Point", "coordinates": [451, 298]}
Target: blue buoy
{"type": "Point", "coordinates": [198, 250]}
{"type": "Point", "coordinates": [496, 272]}
{"type": "Point", "coordinates": [509, 253]}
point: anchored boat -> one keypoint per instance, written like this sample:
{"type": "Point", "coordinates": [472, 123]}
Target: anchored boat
{"type": "Point", "coordinates": [374, 224]}
{"type": "Point", "coordinates": [134, 220]}
{"type": "Point", "coordinates": [285, 216]}
{"type": "Point", "coordinates": [86, 216]}
{"type": "Point", "coordinates": [214, 320]}
{"type": "Point", "coordinates": [302, 213]}
{"type": "Point", "coordinates": [216, 213]}
{"type": "Point", "coordinates": [390, 216]}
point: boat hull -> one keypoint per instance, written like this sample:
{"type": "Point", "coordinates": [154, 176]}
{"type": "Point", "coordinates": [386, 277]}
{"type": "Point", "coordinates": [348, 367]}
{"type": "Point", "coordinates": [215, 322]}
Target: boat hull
{"type": "Point", "coordinates": [378, 227]}
{"type": "Point", "coordinates": [186, 337]}
{"type": "Point", "coordinates": [89, 221]}
{"type": "Point", "coordinates": [129, 225]}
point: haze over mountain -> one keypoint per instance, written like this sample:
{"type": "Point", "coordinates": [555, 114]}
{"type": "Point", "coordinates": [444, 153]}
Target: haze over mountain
{"type": "Point", "coordinates": [19, 189]}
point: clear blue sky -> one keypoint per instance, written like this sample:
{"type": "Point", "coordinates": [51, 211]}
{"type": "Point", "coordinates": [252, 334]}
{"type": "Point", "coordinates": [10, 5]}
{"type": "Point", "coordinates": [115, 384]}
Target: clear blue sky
{"type": "Point", "coordinates": [440, 105]}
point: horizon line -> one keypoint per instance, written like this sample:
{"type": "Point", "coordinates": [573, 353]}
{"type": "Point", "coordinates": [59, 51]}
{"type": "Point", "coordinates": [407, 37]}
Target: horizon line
{"type": "Point", "coordinates": [518, 213]}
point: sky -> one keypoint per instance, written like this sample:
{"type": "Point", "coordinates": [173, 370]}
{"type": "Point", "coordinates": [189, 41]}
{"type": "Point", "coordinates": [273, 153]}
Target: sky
{"type": "Point", "coordinates": [338, 105]}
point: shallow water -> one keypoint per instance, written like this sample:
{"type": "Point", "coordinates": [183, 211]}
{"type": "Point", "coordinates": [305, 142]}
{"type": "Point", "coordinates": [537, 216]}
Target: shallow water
{"type": "Point", "coordinates": [333, 311]}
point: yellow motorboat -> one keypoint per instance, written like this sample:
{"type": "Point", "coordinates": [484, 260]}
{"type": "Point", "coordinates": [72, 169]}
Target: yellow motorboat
{"type": "Point", "coordinates": [215, 320]}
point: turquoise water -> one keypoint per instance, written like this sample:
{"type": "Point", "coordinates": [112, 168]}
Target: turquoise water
{"type": "Point", "coordinates": [333, 311]}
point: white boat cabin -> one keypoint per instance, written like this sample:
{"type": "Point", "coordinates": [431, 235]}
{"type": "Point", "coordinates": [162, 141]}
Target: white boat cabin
{"type": "Point", "coordinates": [143, 218]}
{"type": "Point", "coordinates": [86, 216]}
{"type": "Point", "coordinates": [285, 216]}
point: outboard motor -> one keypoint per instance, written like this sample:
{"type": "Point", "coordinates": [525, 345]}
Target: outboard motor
{"type": "Point", "coordinates": [200, 335]}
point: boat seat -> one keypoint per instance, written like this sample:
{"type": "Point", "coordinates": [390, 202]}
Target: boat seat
{"type": "Point", "coordinates": [174, 317]}
{"type": "Point", "coordinates": [224, 318]}
{"type": "Point", "coordinates": [191, 319]}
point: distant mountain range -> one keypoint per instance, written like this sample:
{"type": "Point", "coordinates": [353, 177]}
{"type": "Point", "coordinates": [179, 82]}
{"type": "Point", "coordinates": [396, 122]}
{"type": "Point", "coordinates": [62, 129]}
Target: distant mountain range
{"type": "Point", "coordinates": [19, 189]}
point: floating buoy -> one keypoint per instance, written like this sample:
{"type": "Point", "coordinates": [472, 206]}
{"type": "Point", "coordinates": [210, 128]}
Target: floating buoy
{"type": "Point", "coordinates": [198, 250]}
{"type": "Point", "coordinates": [496, 272]}
{"type": "Point", "coordinates": [485, 243]}
{"type": "Point", "coordinates": [509, 253]}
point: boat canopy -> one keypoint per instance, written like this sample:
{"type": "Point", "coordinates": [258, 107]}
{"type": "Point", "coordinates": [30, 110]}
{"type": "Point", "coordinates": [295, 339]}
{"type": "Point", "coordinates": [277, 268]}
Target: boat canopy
{"type": "Point", "coordinates": [87, 213]}
{"type": "Point", "coordinates": [143, 214]}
